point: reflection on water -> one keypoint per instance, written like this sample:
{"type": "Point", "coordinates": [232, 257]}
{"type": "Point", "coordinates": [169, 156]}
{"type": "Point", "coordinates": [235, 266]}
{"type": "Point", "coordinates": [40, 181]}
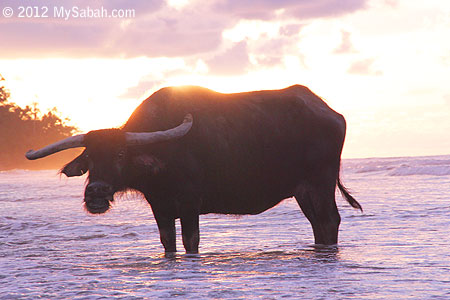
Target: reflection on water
{"type": "Point", "coordinates": [397, 249]}
{"type": "Point", "coordinates": [223, 275]}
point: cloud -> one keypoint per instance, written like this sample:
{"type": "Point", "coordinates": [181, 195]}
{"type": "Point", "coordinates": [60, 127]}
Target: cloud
{"type": "Point", "coordinates": [156, 30]}
{"type": "Point", "coordinates": [231, 62]}
{"type": "Point", "coordinates": [364, 67]}
{"type": "Point", "coordinates": [391, 3]}
{"type": "Point", "coordinates": [290, 29]}
{"type": "Point", "coordinates": [271, 52]}
{"type": "Point", "coordinates": [346, 45]}
{"type": "Point", "coordinates": [47, 40]}
{"type": "Point", "coordinates": [267, 42]}
{"type": "Point", "coordinates": [326, 8]}
{"type": "Point", "coordinates": [177, 34]}
{"type": "Point", "coordinates": [141, 89]}
{"type": "Point", "coordinates": [267, 9]}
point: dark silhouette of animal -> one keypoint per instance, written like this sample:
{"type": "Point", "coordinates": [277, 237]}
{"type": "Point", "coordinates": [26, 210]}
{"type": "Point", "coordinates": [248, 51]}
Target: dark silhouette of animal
{"type": "Point", "coordinates": [193, 151]}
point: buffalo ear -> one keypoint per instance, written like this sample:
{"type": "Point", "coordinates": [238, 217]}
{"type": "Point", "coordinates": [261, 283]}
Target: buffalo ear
{"type": "Point", "coordinates": [76, 167]}
{"type": "Point", "coordinates": [147, 164]}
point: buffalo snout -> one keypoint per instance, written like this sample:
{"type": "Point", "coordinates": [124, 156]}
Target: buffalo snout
{"type": "Point", "coordinates": [97, 197]}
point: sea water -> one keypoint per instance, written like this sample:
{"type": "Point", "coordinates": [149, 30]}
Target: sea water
{"type": "Point", "coordinates": [398, 248]}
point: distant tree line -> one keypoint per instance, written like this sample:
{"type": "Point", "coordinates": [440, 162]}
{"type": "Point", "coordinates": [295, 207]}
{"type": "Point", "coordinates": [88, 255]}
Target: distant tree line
{"type": "Point", "coordinates": [22, 129]}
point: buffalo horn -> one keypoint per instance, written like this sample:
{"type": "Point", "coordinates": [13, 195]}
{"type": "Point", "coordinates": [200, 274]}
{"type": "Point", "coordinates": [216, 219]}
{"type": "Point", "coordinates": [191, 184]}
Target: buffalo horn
{"type": "Point", "coordinates": [70, 142]}
{"type": "Point", "coordinates": [142, 138]}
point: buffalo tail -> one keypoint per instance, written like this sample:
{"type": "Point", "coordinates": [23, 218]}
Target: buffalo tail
{"type": "Point", "coordinates": [345, 193]}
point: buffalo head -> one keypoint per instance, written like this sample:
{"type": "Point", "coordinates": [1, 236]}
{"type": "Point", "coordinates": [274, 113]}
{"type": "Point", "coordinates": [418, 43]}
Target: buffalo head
{"type": "Point", "coordinates": [109, 159]}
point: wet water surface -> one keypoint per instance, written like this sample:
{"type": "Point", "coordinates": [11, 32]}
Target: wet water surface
{"type": "Point", "coordinates": [399, 248]}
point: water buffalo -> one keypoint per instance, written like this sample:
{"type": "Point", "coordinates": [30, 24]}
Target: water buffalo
{"type": "Point", "coordinates": [192, 151]}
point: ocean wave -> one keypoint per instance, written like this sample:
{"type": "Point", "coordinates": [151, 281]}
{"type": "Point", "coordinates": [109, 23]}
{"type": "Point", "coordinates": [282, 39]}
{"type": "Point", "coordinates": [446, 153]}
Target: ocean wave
{"type": "Point", "coordinates": [432, 165]}
{"type": "Point", "coordinates": [421, 170]}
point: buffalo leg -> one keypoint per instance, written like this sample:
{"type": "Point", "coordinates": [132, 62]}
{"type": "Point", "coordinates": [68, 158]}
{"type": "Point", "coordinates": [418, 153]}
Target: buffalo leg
{"type": "Point", "coordinates": [319, 206]}
{"type": "Point", "coordinates": [167, 233]}
{"type": "Point", "coordinates": [190, 232]}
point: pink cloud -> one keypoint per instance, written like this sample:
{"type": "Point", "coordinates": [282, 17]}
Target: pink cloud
{"type": "Point", "coordinates": [156, 29]}
{"type": "Point", "coordinates": [364, 67]}
{"type": "Point", "coordinates": [346, 45]}
{"type": "Point", "coordinates": [265, 9]}
{"type": "Point", "coordinates": [231, 62]}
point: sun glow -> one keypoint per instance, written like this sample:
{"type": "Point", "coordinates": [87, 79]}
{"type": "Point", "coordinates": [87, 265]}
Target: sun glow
{"type": "Point", "coordinates": [385, 67]}
{"type": "Point", "coordinates": [92, 93]}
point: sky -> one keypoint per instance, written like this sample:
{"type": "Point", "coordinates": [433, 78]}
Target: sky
{"type": "Point", "coordinates": [383, 64]}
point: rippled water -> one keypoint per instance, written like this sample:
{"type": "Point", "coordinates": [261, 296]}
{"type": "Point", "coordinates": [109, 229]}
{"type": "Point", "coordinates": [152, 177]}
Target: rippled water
{"type": "Point", "coordinates": [399, 248]}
